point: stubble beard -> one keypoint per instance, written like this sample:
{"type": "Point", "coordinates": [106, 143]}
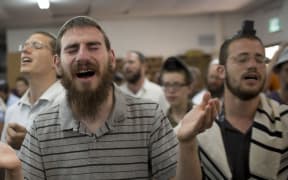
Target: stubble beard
{"type": "Point", "coordinates": [134, 78]}
{"type": "Point", "coordinates": [216, 92]}
{"type": "Point", "coordinates": [240, 93]}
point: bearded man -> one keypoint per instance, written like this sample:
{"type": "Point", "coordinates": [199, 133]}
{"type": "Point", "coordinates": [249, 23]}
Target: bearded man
{"type": "Point", "coordinates": [249, 139]}
{"type": "Point", "coordinates": [137, 84]}
{"type": "Point", "coordinates": [98, 132]}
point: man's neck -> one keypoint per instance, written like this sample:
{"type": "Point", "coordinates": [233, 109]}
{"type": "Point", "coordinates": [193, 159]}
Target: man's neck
{"type": "Point", "coordinates": [240, 113]}
{"type": "Point", "coordinates": [103, 114]}
{"type": "Point", "coordinates": [38, 85]}
{"type": "Point", "coordinates": [135, 87]}
{"type": "Point", "coordinates": [178, 111]}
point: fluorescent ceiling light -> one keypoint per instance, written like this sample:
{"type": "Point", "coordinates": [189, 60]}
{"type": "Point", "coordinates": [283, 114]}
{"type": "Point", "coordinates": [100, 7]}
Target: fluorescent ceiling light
{"type": "Point", "coordinates": [43, 4]}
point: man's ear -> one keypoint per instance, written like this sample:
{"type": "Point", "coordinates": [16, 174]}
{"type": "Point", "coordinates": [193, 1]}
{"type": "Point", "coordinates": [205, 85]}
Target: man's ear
{"type": "Point", "coordinates": [57, 65]}
{"type": "Point", "coordinates": [221, 71]}
{"type": "Point", "coordinates": [112, 58]}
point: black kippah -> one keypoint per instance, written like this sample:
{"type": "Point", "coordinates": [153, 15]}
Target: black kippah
{"type": "Point", "coordinates": [247, 29]}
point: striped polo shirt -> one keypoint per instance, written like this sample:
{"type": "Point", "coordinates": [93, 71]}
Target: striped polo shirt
{"type": "Point", "coordinates": [136, 142]}
{"type": "Point", "coordinates": [268, 153]}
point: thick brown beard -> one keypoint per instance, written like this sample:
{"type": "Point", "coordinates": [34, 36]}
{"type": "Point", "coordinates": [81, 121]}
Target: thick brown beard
{"type": "Point", "coordinates": [86, 104]}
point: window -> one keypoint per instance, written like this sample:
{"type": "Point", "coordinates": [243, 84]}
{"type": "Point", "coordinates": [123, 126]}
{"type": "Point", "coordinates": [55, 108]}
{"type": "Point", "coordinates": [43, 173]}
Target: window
{"type": "Point", "coordinates": [271, 50]}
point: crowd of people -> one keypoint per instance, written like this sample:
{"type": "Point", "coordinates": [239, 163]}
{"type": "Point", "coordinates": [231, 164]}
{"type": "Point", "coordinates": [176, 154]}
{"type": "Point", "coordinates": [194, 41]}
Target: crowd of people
{"type": "Point", "coordinates": [75, 122]}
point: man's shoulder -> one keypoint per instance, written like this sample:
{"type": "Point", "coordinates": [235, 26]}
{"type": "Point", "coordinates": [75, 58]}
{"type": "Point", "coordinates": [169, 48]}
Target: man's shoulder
{"type": "Point", "coordinates": [132, 101]}
{"type": "Point", "coordinates": [12, 99]}
{"type": "Point", "coordinates": [54, 91]}
{"type": "Point", "coordinates": [13, 111]}
{"type": "Point", "coordinates": [48, 115]}
{"type": "Point", "coordinates": [153, 88]}
{"type": "Point", "coordinates": [273, 106]}
{"type": "Point", "coordinates": [140, 106]}
{"type": "Point", "coordinates": [149, 83]}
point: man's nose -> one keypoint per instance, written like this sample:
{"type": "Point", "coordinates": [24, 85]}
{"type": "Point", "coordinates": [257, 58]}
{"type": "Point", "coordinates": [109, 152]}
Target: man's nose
{"type": "Point", "coordinates": [82, 54]}
{"type": "Point", "coordinates": [252, 62]}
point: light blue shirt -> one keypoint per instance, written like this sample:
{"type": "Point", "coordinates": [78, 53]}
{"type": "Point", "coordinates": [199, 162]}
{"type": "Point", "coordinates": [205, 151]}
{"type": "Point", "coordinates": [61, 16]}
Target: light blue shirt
{"type": "Point", "coordinates": [12, 99]}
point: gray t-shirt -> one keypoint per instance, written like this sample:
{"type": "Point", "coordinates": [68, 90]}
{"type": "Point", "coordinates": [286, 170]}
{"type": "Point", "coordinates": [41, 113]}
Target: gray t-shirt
{"type": "Point", "coordinates": [136, 142]}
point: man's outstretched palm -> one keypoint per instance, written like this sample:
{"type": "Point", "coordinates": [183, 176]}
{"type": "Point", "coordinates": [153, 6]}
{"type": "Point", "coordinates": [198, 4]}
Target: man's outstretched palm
{"type": "Point", "coordinates": [198, 119]}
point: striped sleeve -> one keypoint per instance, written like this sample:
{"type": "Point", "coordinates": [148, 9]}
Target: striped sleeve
{"type": "Point", "coordinates": [30, 156]}
{"type": "Point", "coordinates": [283, 171]}
{"type": "Point", "coordinates": [163, 148]}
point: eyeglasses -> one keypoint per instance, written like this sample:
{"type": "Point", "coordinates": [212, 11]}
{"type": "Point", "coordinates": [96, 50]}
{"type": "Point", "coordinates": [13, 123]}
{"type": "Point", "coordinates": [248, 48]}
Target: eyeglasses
{"type": "Point", "coordinates": [244, 58]}
{"type": "Point", "coordinates": [33, 44]}
{"type": "Point", "coordinates": [175, 86]}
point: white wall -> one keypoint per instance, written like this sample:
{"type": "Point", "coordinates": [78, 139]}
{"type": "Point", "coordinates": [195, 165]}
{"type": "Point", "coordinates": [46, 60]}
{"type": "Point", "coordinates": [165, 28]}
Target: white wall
{"type": "Point", "coordinates": [15, 37]}
{"type": "Point", "coordinates": [166, 36]}
{"type": "Point", "coordinates": [233, 21]}
{"type": "Point", "coordinates": [161, 36]}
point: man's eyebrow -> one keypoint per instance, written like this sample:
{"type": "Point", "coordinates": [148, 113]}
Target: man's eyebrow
{"type": "Point", "coordinates": [243, 53]}
{"type": "Point", "coordinates": [259, 54]}
{"type": "Point", "coordinates": [74, 45]}
{"type": "Point", "coordinates": [94, 43]}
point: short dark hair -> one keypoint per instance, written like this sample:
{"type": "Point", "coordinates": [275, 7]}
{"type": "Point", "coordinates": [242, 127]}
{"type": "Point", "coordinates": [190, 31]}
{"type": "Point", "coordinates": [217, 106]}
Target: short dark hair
{"type": "Point", "coordinates": [175, 64]}
{"type": "Point", "coordinates": [247, 32]}
{"type": "Point", "coordinates": [80, 21]}
{"type": "Point", "coordinates": [140, 55]}
{"type": "Point", "coordinates": [223, 55]}
{"type": "Point", "coordinates": [52, 39]}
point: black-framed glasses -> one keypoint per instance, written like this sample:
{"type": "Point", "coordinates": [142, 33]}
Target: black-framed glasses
{"type": "Point", "coordinates": [175, 86]}
{"type": "Point", "coordinates": [33, 44]}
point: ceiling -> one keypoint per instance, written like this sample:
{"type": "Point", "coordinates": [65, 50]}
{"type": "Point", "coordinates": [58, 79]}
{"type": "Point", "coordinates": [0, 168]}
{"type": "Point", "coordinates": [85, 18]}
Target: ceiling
{"type": "Point", "coordinates": [25, 13]}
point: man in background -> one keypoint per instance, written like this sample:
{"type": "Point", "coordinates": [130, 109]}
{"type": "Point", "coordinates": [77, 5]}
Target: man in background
{"type": "Point", "coordinates": [137, 84]}
{"type": "Point", "coordinates": [249, 139]}
{"type": "Point", "coordinates": [176, 80]}
{"type": "Point", "coordinates": [214, 84]}
{"type": "Point", "coordinates": [98, 132]}
{"type": "Point", "coordinates": [21, 86]}
{"type": "Point", "coordinates": [37, 65]}
{"type": "Point", "coordinates": [280, 67]}
{"type": "Point", "coordinates": [6, 94]}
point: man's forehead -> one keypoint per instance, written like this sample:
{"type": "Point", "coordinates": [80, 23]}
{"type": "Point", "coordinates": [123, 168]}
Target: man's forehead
{"type": "Point", "coordinates": [175, 74]}
{"type": "Point", "coordinates": [244, 45]}
{"type": "Point", "coordinates": [132, 56]}
{"type": "Point", "coordinates": [78, 32]}
{"type": "Point", "coordinates": [39, 37]}
{"type": "Point", "coordinates": [213, 68]}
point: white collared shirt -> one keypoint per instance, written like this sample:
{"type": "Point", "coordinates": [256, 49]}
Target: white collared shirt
{"type": "Point", "coordinates": [24, 112]}
{"type": "Point", "coordinates": [150, 91]}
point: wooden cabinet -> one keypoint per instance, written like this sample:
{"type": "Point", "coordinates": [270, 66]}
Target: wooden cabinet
{"type": "Point", "coordinates": [13, 68]}
{"type": "Point", "coordinates": [198, 60]}
{"type": "Point", "coordinates": [153, 67]}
